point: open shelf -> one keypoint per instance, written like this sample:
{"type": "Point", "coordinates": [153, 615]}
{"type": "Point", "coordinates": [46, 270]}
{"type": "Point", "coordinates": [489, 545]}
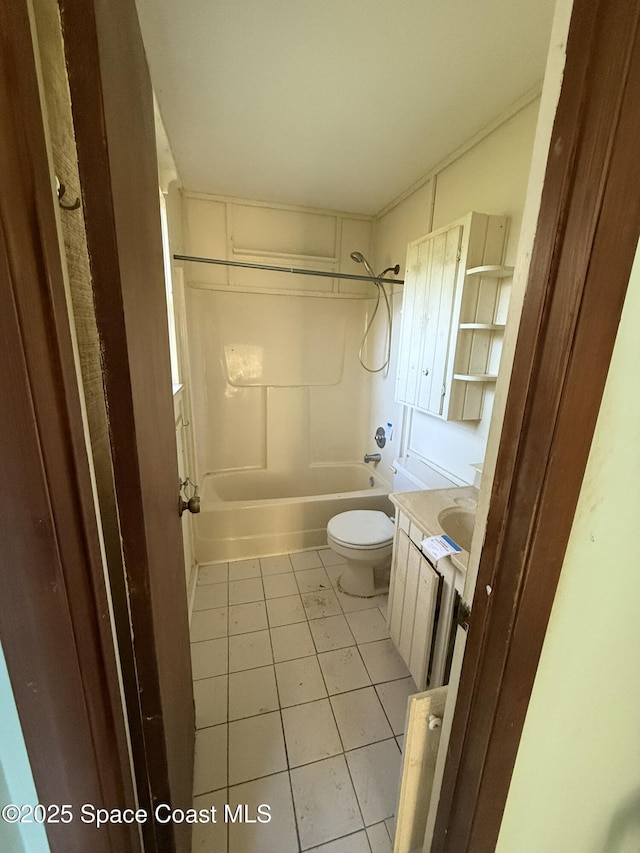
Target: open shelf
{"type": "Point", "coordinates": [491, 327]}
{"type": "Point", "coordinates": [475, 377]}
{"type": "Point", "coordinates": [491, 270]}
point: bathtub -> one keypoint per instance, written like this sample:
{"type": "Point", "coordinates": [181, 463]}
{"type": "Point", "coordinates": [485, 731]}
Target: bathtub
{"type": "Point", "coordinates": [258, 513]}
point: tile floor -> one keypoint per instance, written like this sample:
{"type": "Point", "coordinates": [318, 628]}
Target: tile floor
{"type": "Point", "coordinates": [300, 704]}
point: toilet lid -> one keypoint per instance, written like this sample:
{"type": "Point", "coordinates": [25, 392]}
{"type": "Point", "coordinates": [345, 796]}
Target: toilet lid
{"type": "Point", "coordinates": [362, 527]}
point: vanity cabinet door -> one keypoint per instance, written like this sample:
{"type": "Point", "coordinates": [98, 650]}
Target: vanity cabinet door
{"type": "Point", "coordinates": [424, 622]}
{"type": "Point", "coordinates": [398, 582]}
{"type": "Point", "coordinates": [409, 606]}
{"type": "Point", "coordinates": [414, 595]}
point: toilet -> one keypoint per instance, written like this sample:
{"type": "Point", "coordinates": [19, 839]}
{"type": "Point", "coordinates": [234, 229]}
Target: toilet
{"type": "Point", "coordinates": [364, 538]}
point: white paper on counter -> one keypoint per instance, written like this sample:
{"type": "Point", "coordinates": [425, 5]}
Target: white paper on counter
{"type": "Point", "coordinates": [437, 547]}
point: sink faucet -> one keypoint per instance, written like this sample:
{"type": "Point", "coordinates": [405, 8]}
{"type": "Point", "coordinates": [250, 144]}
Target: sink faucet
{"type": "Point", "coordinates": [372, 457]}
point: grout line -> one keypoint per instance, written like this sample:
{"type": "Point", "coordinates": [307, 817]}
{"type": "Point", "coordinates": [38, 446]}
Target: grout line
{"type": "Point", "coordinates": [307, 620]}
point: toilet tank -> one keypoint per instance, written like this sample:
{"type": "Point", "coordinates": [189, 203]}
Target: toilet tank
{"type": "Point", "coordinates": [413, 474]}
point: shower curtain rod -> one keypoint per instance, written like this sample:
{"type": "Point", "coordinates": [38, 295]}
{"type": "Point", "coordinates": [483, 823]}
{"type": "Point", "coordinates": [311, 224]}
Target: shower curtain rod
{"type": "Point", "coordinates": [296, 271]}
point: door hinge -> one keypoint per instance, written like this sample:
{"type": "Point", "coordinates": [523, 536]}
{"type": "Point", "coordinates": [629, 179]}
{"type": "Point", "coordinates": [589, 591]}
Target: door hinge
{"type": "Point", "coordinates": [444, 390]}
{"type": "Point", "coordinates": [459, 255]}
{"type": "Point", "coordinates": [463, 615]}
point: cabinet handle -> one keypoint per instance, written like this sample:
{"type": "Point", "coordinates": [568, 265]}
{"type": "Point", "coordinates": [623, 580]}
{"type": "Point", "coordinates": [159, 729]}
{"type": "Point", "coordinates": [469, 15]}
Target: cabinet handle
{"type": "Point", "coordinates": [425, 372]}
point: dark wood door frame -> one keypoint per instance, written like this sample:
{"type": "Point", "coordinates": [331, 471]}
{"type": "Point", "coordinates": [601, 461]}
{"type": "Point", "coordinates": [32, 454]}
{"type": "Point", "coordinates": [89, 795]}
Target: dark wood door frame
{"type": "Point", "coordinates": [583, 251]}
{"type": "Point", "coordinates": [112, 107]}
{"type": "Point", "coordinates": [54, 609]}
{"type": "Point", "coordinates": [54, 612]}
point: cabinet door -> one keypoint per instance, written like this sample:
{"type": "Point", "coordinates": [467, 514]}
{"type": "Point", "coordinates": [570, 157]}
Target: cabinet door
{"type": "Point", "coordinates": [424, 621]}
{"type": "Point", "coordinates": [411, 336]}
{"type": "Point", "coordinates": [439, 303]}
{"type": "Point", "coordinates": [409, 605]}
{"type": "Point", "coordinates": [427, 307]}
{"type": "Point", "coordinates": [398, 582]}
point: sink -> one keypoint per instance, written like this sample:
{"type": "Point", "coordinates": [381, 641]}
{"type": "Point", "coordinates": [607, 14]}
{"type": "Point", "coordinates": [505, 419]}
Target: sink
{"type": "Point", "coordinates": [458, 523]}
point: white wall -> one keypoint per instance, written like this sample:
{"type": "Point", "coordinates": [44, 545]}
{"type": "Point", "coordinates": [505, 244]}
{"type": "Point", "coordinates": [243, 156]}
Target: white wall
{"type": "Point", "coordinates": [273, 367]}
{"type": "Point", "coordinates": [490, 176]}
{"type": "Point", "coordinates": [576, 783]}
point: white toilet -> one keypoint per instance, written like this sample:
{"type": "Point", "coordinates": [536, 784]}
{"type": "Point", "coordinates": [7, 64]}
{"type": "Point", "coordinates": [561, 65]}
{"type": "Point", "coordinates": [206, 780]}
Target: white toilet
{"type": "Point", "coordinates": [364, 538]}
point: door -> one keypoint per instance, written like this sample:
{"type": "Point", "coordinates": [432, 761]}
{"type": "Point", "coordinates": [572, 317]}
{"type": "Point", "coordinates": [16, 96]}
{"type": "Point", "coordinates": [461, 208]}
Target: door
{"type": "Point", "coordinates": [56, 615]}
{"type": "Point", "coordinates": [55, 628]}
{"type": "Point", "coordinates": [112, 107]}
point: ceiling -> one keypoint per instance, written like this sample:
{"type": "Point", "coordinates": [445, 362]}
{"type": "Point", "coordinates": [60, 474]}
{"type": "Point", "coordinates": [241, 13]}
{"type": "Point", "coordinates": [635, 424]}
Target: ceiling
{"type": "Point", "coordinates": [339, 104]}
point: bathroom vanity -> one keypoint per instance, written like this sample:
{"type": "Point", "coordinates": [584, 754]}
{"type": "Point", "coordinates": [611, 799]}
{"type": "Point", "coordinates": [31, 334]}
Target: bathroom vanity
{"type": "Point", "coordinates": [424, 598]}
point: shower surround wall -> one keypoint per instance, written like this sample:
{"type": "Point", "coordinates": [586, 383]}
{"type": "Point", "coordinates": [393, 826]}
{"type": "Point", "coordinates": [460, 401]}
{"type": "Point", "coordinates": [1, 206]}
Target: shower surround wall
{"type": "Point", "coordinates": [274, 373]}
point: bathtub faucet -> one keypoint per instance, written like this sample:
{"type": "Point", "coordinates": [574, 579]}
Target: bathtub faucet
{"type": "Point", "coordinates": [372, 457]}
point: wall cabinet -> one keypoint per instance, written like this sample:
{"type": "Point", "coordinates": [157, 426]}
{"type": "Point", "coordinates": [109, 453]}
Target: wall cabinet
{"type": "Point", "coordinates": [449, 347]}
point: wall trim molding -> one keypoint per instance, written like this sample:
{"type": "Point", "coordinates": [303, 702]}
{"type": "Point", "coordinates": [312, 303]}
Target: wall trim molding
{"type": "Point", "coordinates": [517, 106]}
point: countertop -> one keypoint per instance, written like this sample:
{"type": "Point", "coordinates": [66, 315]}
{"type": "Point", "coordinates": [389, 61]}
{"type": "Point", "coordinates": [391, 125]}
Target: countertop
{"type": "Point", "coordinates": [423, 508]}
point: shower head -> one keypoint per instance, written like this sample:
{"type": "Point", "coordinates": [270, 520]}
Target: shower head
{"type": "Point", "coordinates": [359, 258]}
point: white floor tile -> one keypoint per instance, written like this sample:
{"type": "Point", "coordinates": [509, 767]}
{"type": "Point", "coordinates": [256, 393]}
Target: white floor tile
{"type": "Point", "coordinates": [276, 565]}
{"type": "Point", "coordinates": [209, 658]}
{"type": "Point", "coordinates": [343, 670]}
{"type": "Point", "coordinates": [242, 569]}
{"type": "Point", "coordinates": [320, 604]}
{"type": "Point", "coordinates": [292, 641]}
{"type": "Point", "coordinates": [383, 661]}
{"type": "Point", "coordinates": [299, 681]}
{"type": "Point", "coordinates": [252, 692]}
{"type": "Point", "coordinates": [379, 840]}
{"type": "Point", "coordinates": [210, 836]}
{"type": "Point", "coordinates": [312, 580]}
{"type": "Point", "coordinates": [211, 595]}
{"type": "Point", "coordinates": [335, 572]}
{"type": "Point", "coordinates": [394, 695]}
{"type": "Point", "coordinates": [390, 823]}
{"type": "Point", "coordinates": [310, 732]}
{"type": "Point", "coordinates": [209, 624]}
{"type": "Point", "coordinates": [351, 603]}
{"type": "Point", "coordinates": [279, 834]}
{"type": "Point", "coordinates": [213, 573]}
{"type": "Point", "coordinates": [242, 592]}
{"type": "Point", "coordinates": [331, 633]}
{"type": "Point", "coordinates": [356, 843]}
{"type": "Point", "coordinates": [329, 557]}
{"type": "Point", "coordinates": [210, 697]}
{"type": "Point", "coordinates": [210, 770]}
{"type": "Point", "coordinates": [325, 803]}
{"type": "Point", "coordinates": [277, 586]}
{"type": "Point", "coordinates": [360, 718]}
{"type": "Point", "coordinates": [248, 651]}
{"type": "Point", "coordinates": [368, 625]}
{"type": "Point", "coordinates": [375, 771]}
{"type": "Point", "coordinates": [285, 611]}
{"type": "Point", "coordinates": [305, 560]}
{"type": "Point", "coordinates": [256, 748]}
{"type": "Point", "coordinates": [244, 618]}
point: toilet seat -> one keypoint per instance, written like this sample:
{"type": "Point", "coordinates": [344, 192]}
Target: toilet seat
{"type": "Point", "coordinates": [362, 529]}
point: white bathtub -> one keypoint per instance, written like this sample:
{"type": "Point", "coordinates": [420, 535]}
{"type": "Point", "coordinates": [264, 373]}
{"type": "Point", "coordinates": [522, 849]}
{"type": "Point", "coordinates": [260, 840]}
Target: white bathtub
{"type": "Point", "coordinates": [257, 513]}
